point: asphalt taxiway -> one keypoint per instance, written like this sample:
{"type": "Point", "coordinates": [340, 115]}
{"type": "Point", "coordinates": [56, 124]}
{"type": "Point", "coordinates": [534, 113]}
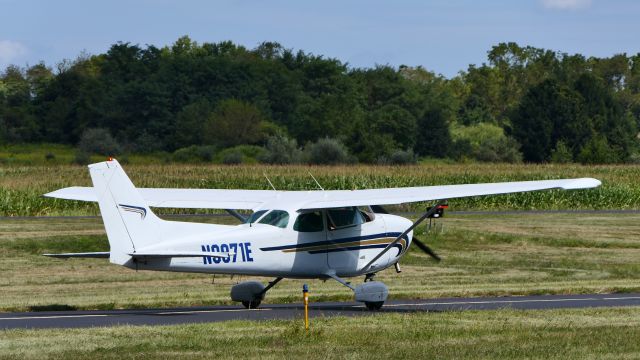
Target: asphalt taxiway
{"type": "Point", "coordinates": [76, 319]}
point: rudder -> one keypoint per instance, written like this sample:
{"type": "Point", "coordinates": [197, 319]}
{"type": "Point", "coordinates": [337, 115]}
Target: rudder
{"type": "Point", "coordinates": [128, 221]}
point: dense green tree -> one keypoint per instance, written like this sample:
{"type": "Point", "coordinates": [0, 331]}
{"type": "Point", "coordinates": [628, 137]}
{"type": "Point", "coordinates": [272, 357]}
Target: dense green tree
{"type": "Point", "coordinates": [547, 113]}
{"type": "Point", "coordinates": [485, 142]}
{"type": "Point", "coordinates": [235, 122]}
{"type": "Point", "coordinates": [18, 122]}
{"type": "Point", "coordinates": [191, 122]}
{"type": "Point", "coordinates": [608, 115]}
{"type": "Point", "coordinates": [281, 150]}
{"type": "Point", "coordinates": [327, 151]}
{"type": "Point", "coordinates": [205, 97]}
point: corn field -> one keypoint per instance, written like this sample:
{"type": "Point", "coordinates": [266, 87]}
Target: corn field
{"type": "Point", "coordinates": [21, 187]}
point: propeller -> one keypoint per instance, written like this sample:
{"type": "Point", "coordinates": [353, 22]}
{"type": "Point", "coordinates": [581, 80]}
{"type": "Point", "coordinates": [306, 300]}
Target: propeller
{"type": "Point", "coordinates": [426, 249]}
{"type": "Point", "coordinates": [381, 210]}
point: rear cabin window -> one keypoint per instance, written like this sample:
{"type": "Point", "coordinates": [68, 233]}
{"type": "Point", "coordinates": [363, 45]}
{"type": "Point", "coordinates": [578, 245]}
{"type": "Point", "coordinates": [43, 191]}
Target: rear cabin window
{"type": "Point", "coordinates": [279, 218]}
{"type": "Point", "coordinates": [343, 217]}
{"type": "Point", "coordinates": [309, 222]}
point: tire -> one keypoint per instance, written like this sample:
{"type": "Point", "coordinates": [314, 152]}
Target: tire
{"type": "Point", "coordinates": [374, 305]}
{"type": "Point", "coordinates": [251, 304]}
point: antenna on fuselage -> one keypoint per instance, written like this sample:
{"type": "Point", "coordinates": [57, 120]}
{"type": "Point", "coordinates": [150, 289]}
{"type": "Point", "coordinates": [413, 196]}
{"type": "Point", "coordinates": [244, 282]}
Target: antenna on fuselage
{"type": "Point", "coordinates": [269, 181]}
{"type": "Point", "coordinates": [314, 179]}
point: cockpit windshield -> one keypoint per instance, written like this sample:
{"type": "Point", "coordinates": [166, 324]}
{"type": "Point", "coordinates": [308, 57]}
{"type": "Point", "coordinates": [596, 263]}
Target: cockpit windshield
{"type": "Point", "coordinates": [255, 216]}
{"type": "Point", "coordinates": [278, 218]}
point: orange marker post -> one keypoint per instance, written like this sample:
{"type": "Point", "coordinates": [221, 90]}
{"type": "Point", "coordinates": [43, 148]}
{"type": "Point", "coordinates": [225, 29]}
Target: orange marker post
{"type": "Point", "coordinates": [305, 294]}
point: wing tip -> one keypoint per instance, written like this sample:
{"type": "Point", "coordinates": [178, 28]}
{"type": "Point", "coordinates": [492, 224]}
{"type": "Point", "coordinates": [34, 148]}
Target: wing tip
{"type": "Point", "coordinates": [56, 194]}
{"type": "Point", "coordinates": [73, 193]}
{"type": "Point", "coordinates": [582, 183]}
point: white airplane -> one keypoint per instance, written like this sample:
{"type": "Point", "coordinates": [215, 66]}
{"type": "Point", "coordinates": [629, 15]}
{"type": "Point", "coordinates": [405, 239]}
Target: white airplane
{"type": "Point", "coordinates": [291, 234]}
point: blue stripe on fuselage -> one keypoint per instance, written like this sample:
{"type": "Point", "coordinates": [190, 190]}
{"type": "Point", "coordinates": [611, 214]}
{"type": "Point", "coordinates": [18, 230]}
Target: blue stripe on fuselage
{"type": "Point", "coordinates": [350, 248]}
{"type": "Point", "coordinates": [338, 241]}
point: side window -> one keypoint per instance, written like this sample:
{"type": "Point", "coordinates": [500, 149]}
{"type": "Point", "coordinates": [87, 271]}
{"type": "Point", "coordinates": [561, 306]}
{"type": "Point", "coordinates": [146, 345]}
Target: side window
{"type": "Point", "coordinates": [309, 222]}
{"type": "Point", "coordinates": [343, 217]}
{"type": "Point", "coordinates": [279, 218]}
{"type": "Point", "coordinates": [255, 216]}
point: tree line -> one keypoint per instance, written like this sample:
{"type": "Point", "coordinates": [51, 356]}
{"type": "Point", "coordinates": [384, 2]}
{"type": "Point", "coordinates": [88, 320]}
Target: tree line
{"type": "Point", "coordinates": [523, 104]}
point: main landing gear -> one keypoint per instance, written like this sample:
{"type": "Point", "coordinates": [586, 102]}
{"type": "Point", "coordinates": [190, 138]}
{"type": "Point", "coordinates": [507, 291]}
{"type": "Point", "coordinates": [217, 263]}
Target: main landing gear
{"type": "Point", "coordinates": [372, 293]}
{"type": "Point", "coordinates": [251, 293]}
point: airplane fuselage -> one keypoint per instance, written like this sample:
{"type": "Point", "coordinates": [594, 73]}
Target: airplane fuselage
{"type": "Point", "coordinates": [266, 250]}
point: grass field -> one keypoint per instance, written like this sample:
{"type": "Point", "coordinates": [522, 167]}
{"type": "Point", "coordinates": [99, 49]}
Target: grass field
{"type": "Point", "coordinates": [515, 254]}
{"type": "Point", "coordinates": [501, 255]}
{"type": "Point", "coordinates": [21, 186]}
{"type": "Point", "coordinates": [503, 334]}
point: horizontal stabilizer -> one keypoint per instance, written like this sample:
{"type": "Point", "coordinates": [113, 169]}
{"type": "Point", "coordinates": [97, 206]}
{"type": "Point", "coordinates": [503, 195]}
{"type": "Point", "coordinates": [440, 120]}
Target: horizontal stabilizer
{"type": "Point", "coordinates": [155, 254]}
{"type": "Point", "coordinates": [94, 255]}
{"type": "Point", "coordinates": [170, 254]}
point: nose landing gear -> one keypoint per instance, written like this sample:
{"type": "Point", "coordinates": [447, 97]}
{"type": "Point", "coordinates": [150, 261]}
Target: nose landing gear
{"type": "Point", "coordinates": [372, 293]}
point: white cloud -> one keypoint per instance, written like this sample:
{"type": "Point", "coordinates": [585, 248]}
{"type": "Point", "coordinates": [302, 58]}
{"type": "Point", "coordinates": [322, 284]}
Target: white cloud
{"type": "Point", "coordinates": [11, 51]}
{"type": "Point", "coordinates": [566, 4]}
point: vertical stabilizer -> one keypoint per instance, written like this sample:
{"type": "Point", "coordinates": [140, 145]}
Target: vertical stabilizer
{"type": "Point", "coordinates": [128, 221]}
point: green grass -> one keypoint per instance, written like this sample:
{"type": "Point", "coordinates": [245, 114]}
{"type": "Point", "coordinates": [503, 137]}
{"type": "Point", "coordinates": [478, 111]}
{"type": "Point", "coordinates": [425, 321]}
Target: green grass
{"type": "Point", "coordinates": [482, 255]}
{"type": "Point", "coordinates": [503, 334]}
{"type": "Point", "coordinates": [21, 187]}
{"type": "Point", "coordinates": [497, 255]}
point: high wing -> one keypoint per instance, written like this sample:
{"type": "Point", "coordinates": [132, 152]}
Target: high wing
{"type": "Point", "coordinates": [393, 196]}
{"type": "Point", "coordinates": [304, 200]}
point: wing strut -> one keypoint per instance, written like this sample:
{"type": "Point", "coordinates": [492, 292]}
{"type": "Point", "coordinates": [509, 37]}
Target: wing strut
{"type": "Point", "coordinates": [394, 242]}
{"type": "Point", "coordinates": [236, 215]}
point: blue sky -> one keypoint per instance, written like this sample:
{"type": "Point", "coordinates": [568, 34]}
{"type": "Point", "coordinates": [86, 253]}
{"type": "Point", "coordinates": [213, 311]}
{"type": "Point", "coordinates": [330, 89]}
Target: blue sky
{"type": "Point", "coordinates": [442, 36]}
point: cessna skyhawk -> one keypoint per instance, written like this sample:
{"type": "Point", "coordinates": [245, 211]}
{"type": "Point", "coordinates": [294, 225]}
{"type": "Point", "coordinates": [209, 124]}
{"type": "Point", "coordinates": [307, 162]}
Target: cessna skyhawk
{"type": "Point", "coordinates": [333, 234]}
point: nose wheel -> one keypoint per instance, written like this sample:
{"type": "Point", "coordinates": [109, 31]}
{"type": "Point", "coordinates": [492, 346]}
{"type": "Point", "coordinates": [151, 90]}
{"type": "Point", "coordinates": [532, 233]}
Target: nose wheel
{"type": "Point", "coordinates": [251, 304]}
{"type": "Point", "coordinates": [371, 293]}
{"type": "Point", "coordinates": [374, 305]}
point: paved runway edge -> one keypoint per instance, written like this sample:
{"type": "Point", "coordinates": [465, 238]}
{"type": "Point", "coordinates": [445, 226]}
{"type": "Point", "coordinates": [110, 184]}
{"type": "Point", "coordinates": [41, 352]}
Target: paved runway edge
{"type": "Point", "coordinates": [79, 319]}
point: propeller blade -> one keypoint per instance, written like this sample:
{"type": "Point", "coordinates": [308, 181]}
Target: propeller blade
{"type": "Point", "coordinates": [426, 249]}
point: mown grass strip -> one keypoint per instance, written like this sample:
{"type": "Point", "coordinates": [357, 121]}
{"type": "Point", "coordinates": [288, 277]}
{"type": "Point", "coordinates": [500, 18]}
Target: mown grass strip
{"type": "Point", "coordinates": [503, 334]}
